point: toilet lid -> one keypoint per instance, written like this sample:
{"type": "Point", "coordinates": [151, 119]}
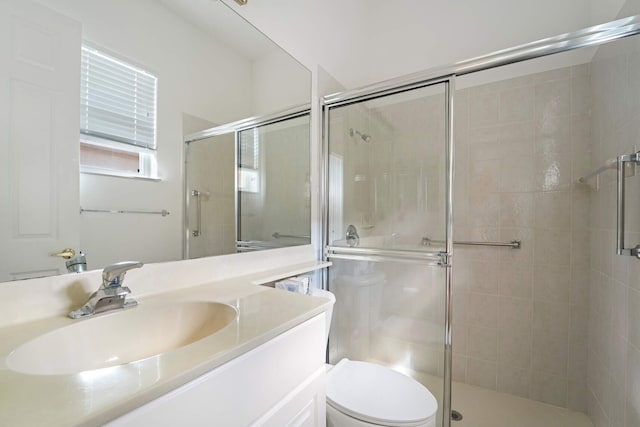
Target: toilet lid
{"type": "Point", "coordinates": [378, 395]}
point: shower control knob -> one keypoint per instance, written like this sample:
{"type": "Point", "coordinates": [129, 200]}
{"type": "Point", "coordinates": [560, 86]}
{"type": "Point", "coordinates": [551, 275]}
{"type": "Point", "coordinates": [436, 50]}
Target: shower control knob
{"type": "Point", "coordinates": [352, 236]}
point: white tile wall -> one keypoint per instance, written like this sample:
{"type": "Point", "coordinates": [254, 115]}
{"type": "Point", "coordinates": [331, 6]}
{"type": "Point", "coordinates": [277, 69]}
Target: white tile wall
{"type": "Point", "coordinates": [525, 311]}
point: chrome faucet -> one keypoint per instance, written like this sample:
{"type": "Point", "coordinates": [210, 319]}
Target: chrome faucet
{"type": "Point", "coordinates": [111, 295]}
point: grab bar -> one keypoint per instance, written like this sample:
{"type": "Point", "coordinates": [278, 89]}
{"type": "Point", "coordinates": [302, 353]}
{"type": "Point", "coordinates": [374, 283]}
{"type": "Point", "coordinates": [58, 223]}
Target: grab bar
{"type": "Point", "coordinates": [620, 249]}
{"type": "Point", "coordinates": [371, 254]}
{"type": "Point", "coordinates": [256, 245]}
{"type": "Point", "coordinates": [198, 195]}
{"type": "Point", "coordinates": [609, 164]}
{"type": "Point", "coordinates": [163, 212]}
{"type": "Point", "coordinates": [514, 244]}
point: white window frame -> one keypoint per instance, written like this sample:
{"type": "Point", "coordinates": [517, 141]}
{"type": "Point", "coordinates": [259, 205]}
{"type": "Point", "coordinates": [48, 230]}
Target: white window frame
{"type": "Point", "coordinates": [147, 155]}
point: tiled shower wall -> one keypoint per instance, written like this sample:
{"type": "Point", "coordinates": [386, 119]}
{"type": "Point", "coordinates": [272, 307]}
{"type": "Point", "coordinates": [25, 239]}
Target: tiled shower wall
{"type": "Point", "coordinates": [614, 314]}
{"type": "Point", "coordinates": [521, 315]}
{"type": "Point", "coordinates": [393, 183]}
{"type": "Point", "coordinates": [211, 170]}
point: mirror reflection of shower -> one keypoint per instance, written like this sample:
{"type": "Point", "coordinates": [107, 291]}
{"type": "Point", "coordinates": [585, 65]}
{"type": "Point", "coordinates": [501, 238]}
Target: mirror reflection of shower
{"type": "Point", "coordinates": [365, 136]}
{"type": "Point", "coordinates": [247, 185]}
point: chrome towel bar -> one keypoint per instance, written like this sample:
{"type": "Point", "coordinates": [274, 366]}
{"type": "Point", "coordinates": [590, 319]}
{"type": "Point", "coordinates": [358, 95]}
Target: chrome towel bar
{"type": "Point", "coordinates": [370, 254]}
{"type": "Point", "coordinates": [609, 164]}
{"type": "Point", "coordinates": [514, 244]}
{"type": "Point", "coordinates": [277, 235]}
{"type": "Point", "coordinates": [163, 212]}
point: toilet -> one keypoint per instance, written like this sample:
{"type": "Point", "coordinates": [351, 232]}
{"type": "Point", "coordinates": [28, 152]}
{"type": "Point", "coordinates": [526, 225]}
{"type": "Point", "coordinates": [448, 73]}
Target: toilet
{"type": "Point", "coordinates": [363, 394]}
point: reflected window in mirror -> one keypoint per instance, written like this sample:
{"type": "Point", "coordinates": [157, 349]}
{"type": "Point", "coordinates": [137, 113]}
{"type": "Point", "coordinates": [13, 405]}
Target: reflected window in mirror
{"type": "Point", "coordinates": [117, 116]}
{"type": "Point", "coordinates": [274, 188]}
{"type": "Point", "coordinates": [249, 161]}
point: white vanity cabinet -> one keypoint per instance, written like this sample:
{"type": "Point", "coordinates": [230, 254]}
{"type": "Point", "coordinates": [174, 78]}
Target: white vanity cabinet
{"type": "Point", "coordinates": [279, 383]}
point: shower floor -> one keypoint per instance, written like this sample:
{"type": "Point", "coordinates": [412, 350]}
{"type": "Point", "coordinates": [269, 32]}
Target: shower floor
{"type": "Point", "coordinates": [481, 407]}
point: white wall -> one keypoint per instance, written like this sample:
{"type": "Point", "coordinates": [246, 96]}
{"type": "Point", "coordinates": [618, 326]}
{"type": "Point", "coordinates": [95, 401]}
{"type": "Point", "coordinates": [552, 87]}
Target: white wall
{"type": "Point", "coordinates": [414, 35]}
{"type": "Point", "coordinates": [279, 82]}
{"type": "Point", "coordinates": [362, 42]}
{"type": "Point", "coordinates": [328, 33]}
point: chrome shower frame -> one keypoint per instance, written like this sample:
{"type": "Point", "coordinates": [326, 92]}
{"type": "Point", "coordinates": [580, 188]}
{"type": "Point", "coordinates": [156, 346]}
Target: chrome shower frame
{"type": "Point", "coordinates": [588, 37]}
{"type": "Point", "coordinates": [435, 258]}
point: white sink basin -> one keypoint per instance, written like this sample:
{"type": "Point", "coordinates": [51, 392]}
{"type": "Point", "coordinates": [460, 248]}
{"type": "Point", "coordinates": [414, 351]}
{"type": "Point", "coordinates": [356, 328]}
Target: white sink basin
{"type": "Point", "coordinates": [120, 337]}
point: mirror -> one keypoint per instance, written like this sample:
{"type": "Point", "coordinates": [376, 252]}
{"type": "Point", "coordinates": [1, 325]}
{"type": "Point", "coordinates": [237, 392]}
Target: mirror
{"type": "Point", "coordinates": [212, 67]}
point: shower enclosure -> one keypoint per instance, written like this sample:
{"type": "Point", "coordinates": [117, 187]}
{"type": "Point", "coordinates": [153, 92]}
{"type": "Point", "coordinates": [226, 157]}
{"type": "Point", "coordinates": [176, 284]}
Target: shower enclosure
{"type": "Point", "coordinates": [247, 185]}
{"type": "Point", "coordinates": [498, 279]}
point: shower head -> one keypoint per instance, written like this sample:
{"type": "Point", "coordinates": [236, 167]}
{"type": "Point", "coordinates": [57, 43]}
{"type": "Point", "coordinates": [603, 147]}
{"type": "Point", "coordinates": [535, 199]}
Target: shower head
{"type": "Point", "coordinates": [365, 136]}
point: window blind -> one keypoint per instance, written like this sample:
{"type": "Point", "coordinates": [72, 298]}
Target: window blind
{"type": "Point", "coordinates": [117, 100]}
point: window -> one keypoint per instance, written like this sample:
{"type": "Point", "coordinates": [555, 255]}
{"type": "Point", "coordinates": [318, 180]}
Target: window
{"type": "Point", "coordinates": [249, 161]}
{"type": "Point", "coordinates": [117, 116]}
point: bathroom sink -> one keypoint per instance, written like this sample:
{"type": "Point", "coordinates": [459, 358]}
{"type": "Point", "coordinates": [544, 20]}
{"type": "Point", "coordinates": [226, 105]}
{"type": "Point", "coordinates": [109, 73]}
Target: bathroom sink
{"type": "Point", "coordinates": [120, 337]}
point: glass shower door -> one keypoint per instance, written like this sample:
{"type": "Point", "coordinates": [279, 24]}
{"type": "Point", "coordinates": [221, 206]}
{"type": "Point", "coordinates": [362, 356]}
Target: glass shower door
{"type": "Point", "coordinates": [273, 194]}
{"type": "Point", "coordinates": [386, 231]}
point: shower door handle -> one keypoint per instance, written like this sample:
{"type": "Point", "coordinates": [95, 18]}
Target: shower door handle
{"type": "Point", "coordinates": [198, 195]}
{"type": "Point", "coordinates": [620, 249]}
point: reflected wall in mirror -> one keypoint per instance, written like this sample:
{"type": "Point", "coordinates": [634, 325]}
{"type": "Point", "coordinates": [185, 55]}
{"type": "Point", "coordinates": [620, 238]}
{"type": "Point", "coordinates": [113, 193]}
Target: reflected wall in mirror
{"type": "Point", "coordinates": [211, 66]}
{"type": "Point", "coordinates": [267, 205]}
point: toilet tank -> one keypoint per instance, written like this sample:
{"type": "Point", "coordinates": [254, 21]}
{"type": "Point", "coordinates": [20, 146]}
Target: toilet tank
{"type": "Point", "coordinates": [321, 293]}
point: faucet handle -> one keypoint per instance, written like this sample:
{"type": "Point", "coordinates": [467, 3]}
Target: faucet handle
{"type": "Point", "coordinates": [113, 275]}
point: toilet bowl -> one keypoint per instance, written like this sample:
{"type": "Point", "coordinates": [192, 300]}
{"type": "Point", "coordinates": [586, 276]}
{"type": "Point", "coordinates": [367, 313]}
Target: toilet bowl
{"type": "Point", "coordinates": [363, 394]}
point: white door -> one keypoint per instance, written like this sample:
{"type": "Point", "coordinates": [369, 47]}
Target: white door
{"type": "Point", "coordinates": [39, 149]}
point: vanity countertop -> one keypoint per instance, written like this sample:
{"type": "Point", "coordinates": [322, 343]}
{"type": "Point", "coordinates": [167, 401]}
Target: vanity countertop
{"type": "Point", "coordinates": [97, 396]}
